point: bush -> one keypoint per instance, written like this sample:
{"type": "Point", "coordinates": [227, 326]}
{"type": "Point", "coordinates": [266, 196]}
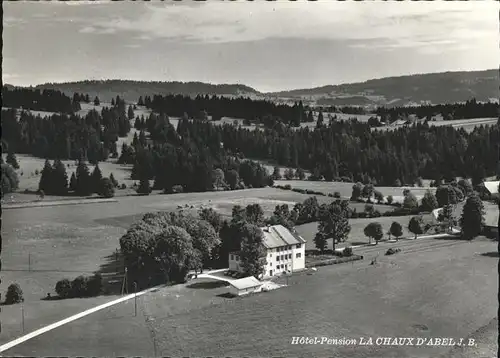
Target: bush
{"type": "Point", "coordinates": [392, 251]}
{"type": "Point", "coordinates": [123, 186]}
{"type": "Point", "coordinates": [10, 180]}
{"type": "Point", "coordinates": [63, 288]}
{"type": "Point", "coordinates": [347, 251]}
{"type": "Point", "coordinates": [14, 294]}
{"type": "Point", "coordinates": [287, 187]}
{"type": "Point", "coordinates": [336, 195]}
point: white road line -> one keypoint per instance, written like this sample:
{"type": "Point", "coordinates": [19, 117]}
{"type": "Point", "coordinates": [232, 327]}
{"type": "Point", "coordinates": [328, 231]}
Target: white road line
{"type": "Point", "coordinates": [55, 325]}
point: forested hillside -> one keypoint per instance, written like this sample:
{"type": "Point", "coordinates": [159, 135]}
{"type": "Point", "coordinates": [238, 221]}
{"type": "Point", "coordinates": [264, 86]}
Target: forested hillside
{"type": "Point", "coordinates": [436, 88]}
{"type": "Point", "coordinates": [343, 150]}
{"type": "Point", "coordinates": [40, 100]}
{"type": "Point", "coordinates": [469, 109]}
{"type": "Point", "coordinates": [66, 136]}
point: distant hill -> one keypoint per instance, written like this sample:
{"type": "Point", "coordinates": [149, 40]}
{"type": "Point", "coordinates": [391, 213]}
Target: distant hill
{"type": "Point", "coordinates": [131, 90]}
{"type": "Point", "coordinates": [432, 88]}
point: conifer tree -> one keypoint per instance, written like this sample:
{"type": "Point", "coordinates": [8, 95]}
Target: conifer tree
{"type": "Point", "coordinates": [144, 187]}
{"type": "Point", "coordinates": [72, 182]}
{"type": "Point", "coordinates": [59, 178]}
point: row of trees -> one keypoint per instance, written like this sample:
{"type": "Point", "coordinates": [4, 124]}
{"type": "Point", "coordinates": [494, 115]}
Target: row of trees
{"type": "Point", "coordinates": [165, 246]}
{"type": "Point", "coordinates": [192, 157]}
{"type": "Point", "coordinates": [40, 100]}
{"type": "Point", "coordinates": [350, 151]}
{"type": "Point", "coordinates": [82, 286]}
{"type": "Point", "coordinates": [245, 108]}
{"type": "Point", "coordinates": [469, 109]}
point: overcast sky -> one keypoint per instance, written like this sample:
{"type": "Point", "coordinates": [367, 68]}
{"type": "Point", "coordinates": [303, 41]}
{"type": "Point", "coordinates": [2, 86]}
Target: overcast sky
{"type": "Point", "coordinates": [267, 45]}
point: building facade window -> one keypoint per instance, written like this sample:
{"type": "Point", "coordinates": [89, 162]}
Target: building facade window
{"type": "Point", "coordinates": [298, 246]}
{"type": "Point", "coordinates": [289, 256]}
{"type": "Point", "coordinates": [298, 255]}
{"type": "Point", "coordinates": [277, 258]}
{"type": "Point", "coordinates": [232, 257]}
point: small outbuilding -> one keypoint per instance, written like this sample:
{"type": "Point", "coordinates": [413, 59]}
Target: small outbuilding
{"type": "Point", "coordinates": [244, 286]}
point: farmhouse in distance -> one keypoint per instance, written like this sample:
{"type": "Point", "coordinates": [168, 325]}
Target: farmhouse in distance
{"type": "Point", "coordinates": [285, 252]}
{"type": "Point", "coordinates": [240, 179]}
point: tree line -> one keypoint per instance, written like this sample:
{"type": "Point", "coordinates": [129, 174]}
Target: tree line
{"type": "Point", "coordinates": [341, 151]}
{"type": "Point", "coordinates": [217, 107]}
{"type": "Point", "coordinates": [54, 180]}
{"type": "Point", "coordinates": [41, 100]}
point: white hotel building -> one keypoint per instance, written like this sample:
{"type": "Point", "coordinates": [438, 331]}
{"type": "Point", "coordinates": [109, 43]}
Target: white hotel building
{"type": "Point", "coordinates": [285, 252]}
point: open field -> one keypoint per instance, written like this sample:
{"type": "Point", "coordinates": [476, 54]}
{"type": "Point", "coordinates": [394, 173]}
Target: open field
{"type": "Point", "coordinates": [28, 165]}
{"type": "Point", "coordinates": [467, 124]}
{"type": "Point", "coordinates": [345, 189]}
{"type": "Point", "coordinates": [435, 291]}
{"type": "Point", "coordinates": [356, 236]}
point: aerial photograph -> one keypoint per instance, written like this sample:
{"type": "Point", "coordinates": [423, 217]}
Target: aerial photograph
{"type": "Point", "coordinates": [250, 179]}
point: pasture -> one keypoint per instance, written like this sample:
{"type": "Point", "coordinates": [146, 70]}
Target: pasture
{"type": "Point", "coordinates": [466, 124]}
{"type": "Point", "coordinates": [444, 292]}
